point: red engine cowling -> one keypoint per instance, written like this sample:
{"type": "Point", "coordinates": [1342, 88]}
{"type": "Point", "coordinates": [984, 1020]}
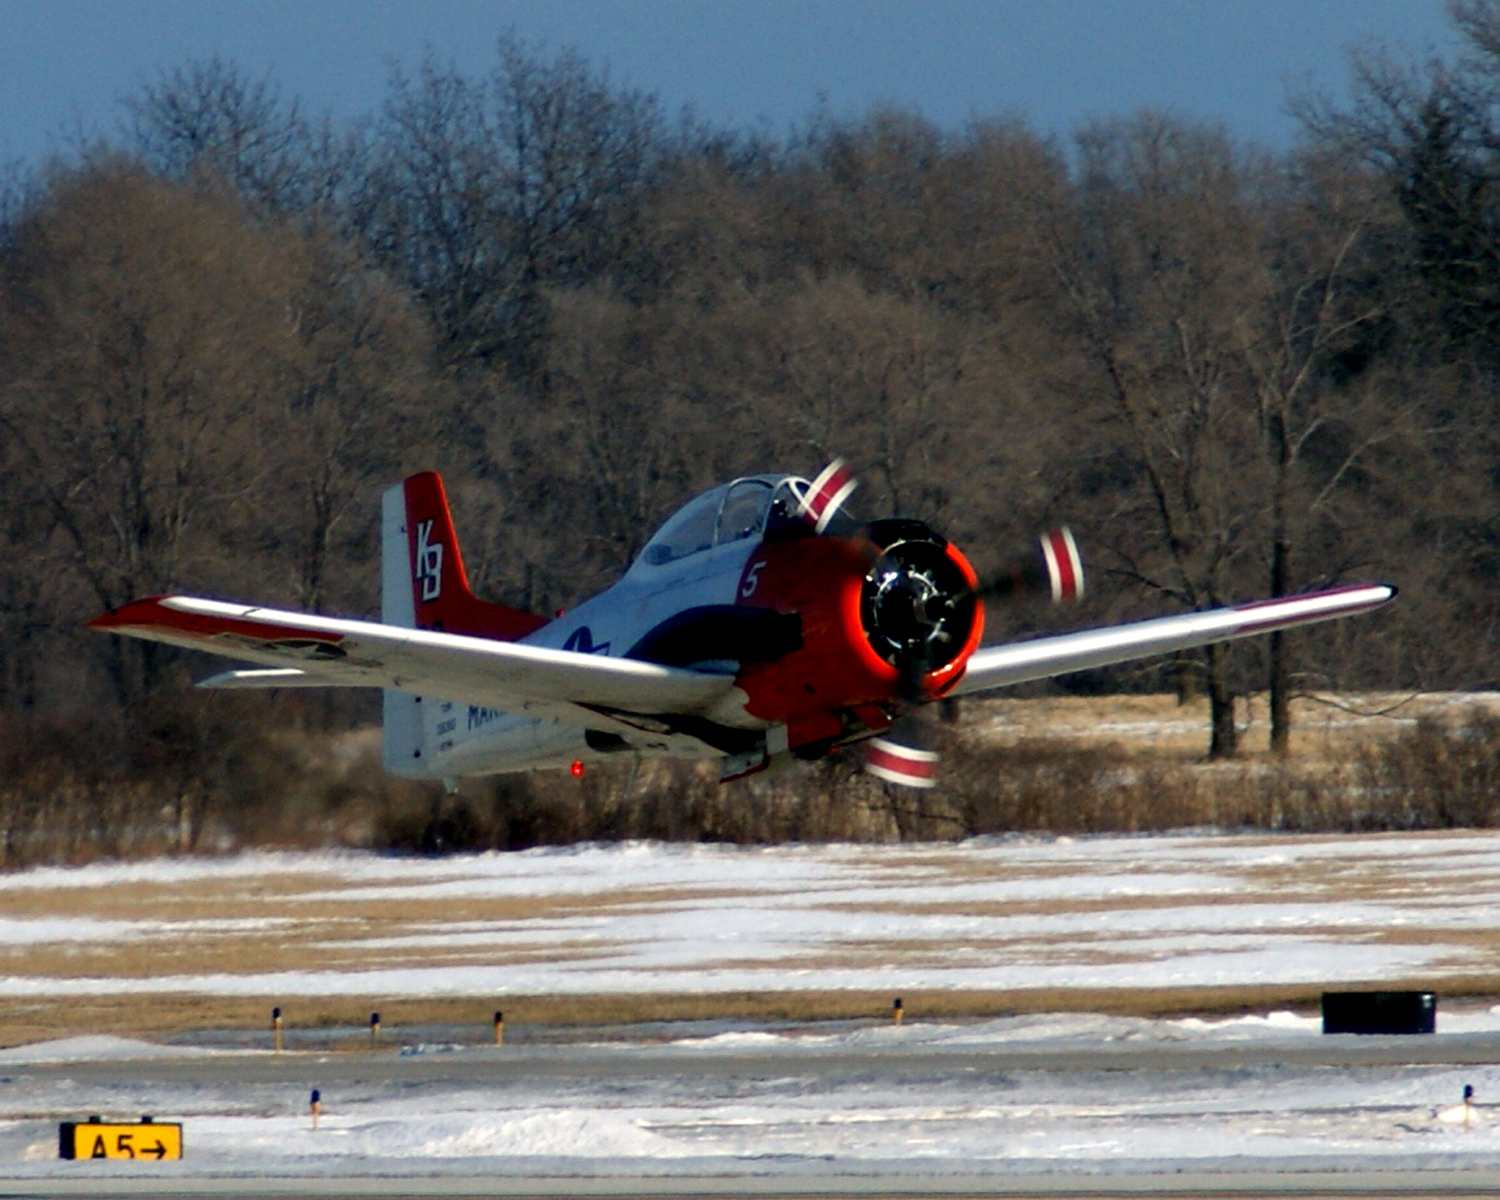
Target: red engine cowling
{"type": "Point", "coordinates": [882, 615]}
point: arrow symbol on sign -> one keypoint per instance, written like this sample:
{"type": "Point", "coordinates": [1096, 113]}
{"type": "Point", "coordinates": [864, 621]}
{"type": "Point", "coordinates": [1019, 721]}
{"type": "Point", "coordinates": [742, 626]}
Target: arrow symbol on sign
{"type": "Point", "coordinates": [159, 1150]}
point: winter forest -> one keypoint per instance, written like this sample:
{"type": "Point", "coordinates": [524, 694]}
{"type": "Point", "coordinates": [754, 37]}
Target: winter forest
{"type": "Point", "coordinates": [1234, 372]}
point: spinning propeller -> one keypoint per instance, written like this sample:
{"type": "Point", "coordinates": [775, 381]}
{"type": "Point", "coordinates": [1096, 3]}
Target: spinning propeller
{"type": "Point", "coordinates": [827, 494]}
{"type": "Point", "coordinates": [919, 607]}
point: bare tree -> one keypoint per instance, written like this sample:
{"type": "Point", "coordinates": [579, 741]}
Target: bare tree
{"type": "Point", "coordinates": [210, 121]}
{"type": "Point", "coordinates": [1329, 430]}
{"type": "Point", "coordinates": [890, 383]}
{"type": "Point", "coordinates": [632, 435]}
{"type": "Point", "coordinates": [145, 330]}
{"type": "Point", "coordinates": [1427, 135]}
{"type": "Point", "coordinates": [359, 409]}
{"type": "Point", "coordinates": [482, 193]}
{"type": "Point", "coordinates": [1154, 260]}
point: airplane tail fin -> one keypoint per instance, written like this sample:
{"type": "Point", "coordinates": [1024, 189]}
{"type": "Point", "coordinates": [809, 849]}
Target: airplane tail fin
{"type": "Point", "coordinates": [423, 582]}
{"type": "Point", "coordinates": [423, 585]}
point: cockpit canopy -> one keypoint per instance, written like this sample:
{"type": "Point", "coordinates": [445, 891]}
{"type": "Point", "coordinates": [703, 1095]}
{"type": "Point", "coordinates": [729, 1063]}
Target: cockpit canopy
{"type": "Point", "coordinates": [729, 513]}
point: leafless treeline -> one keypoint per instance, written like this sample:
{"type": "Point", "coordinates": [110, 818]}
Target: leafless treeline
{"type": "Point", "coordinates": [1235, 373]}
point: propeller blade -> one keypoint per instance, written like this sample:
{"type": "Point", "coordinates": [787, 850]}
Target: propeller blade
{"type": "Point", "coordinates": [827, 494]}
{"type": "Point", "coordinates": [1052, 568]}
{"type": "Point", "coordinates": [901, 756]}
{"type": "Point", "coordinates": [1064, 566]}
{"type": "Point", "coordinates": [907, 766]}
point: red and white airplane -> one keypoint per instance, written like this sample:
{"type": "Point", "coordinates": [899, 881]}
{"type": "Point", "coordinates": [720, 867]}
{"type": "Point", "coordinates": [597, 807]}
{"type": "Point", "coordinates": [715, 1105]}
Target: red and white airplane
{"type": "Point", "coordinates": [761, 622]}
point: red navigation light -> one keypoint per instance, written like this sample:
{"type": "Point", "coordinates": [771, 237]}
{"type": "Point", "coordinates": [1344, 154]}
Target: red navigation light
{"type": "Point", "coordinates": [577, 768]}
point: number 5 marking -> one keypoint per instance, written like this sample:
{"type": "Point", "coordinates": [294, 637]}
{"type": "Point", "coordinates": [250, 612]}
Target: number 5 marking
{"type": "Point", "coordinates": [752, 579]}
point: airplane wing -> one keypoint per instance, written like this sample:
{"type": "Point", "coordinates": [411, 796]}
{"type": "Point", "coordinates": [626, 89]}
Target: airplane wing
{"type": "Point", "coordinates": [314, 651]}
{"type": "Point", "coordinates": [1001, 666]}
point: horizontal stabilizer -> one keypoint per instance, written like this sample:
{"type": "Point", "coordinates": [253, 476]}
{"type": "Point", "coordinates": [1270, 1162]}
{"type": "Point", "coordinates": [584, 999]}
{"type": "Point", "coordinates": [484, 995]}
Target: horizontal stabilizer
{"type": "Point", "coordinates": [269, 677]}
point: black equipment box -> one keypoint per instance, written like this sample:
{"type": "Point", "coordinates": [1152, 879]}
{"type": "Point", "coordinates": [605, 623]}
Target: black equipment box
{"type": "Point", "coordinates": [1379, 1012]}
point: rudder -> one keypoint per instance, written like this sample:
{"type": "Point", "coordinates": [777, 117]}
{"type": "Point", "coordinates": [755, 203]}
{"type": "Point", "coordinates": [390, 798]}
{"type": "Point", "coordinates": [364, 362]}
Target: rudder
{"type": "Point", "coordinates": [424, 584]}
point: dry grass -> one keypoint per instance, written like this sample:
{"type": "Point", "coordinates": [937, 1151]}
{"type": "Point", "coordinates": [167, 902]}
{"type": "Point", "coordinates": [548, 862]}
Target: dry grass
{"type": "Point", "coordinates": [1065, 764]}
{"type": "Point", "coordinates": [341, 1021]}
{"type": "Point", "coordinates": [1325, 729]}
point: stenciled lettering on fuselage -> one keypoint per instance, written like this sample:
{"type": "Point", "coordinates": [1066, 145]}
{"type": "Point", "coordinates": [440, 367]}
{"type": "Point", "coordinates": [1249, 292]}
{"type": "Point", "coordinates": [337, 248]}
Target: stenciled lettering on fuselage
{"type": "Point", "coordinates": [582, 641]}
{"type": "Point", "coordinates": [429, 563]}
{"type": "Point", "coordinates": [480, 717]}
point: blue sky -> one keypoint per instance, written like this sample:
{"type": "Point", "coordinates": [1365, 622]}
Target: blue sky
{"type": "Point", "coordinates": [64, 64]}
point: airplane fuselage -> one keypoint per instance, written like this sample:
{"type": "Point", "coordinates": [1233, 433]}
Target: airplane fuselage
{"type": "Point", "coordinates": [734, 584]}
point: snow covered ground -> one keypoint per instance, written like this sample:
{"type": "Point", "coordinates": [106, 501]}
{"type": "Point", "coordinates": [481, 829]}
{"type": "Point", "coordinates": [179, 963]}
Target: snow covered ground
{"type": "Point", "coordinates": [851, 1100]}
{"type": "Point", "coordinates": [828, 1106]}
{"type": "Point", "coordinates": [992, 915]}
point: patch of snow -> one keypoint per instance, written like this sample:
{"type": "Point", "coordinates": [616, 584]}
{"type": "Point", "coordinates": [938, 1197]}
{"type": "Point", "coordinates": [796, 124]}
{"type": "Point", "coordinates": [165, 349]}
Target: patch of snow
{"type": "Point", "coordinates": [995, 914]}
{"type": "Point", "coordinates": [94, 1048]}
{"type": "Point", "coordinates": [36, 931]}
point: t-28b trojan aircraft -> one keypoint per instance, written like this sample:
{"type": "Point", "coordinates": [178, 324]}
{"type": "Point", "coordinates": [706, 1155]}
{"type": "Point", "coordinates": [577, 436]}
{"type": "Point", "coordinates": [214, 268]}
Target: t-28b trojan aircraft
{"type": "Point", "coordinates": [761, 623]}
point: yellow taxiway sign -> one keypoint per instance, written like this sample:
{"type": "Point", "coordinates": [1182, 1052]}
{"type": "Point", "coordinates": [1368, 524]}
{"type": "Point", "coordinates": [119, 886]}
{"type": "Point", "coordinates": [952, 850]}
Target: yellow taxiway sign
{"type": "Point", "coordinates": [147, 1139]}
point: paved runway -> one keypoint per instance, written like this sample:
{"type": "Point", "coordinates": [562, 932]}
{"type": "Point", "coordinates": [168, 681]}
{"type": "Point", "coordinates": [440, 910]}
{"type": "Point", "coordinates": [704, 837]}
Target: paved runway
{"type": "Point", "coordinates": [583, 1059]}
{"type": "Point", "coordinates": [1389, 1185]}
{"type": "Point", "coordinates": [695, 1079]}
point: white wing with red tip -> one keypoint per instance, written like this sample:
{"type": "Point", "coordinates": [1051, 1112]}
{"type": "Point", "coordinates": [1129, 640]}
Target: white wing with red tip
{"type": "Point", "coordinates": [1022, 662]}
{"type": "Point", "coordinates": [321, 651]}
